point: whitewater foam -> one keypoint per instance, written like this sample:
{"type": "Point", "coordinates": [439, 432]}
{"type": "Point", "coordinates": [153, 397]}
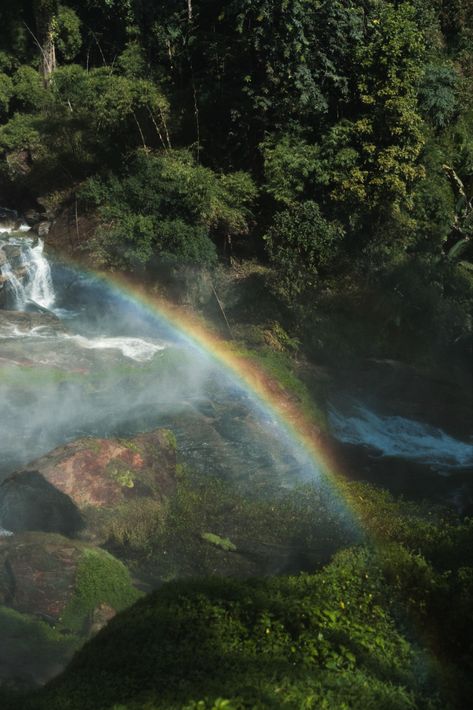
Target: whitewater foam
{"type": "Point", "coordinates": [399, 437]}
{"type": "Point", "coordinates": [134, 348]}
{"type": "Point", "coordinates": [40, 288]}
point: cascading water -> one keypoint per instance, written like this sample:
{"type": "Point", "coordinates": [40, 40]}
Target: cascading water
{"type": "Point", "coordinates": [26, 272]}
{"type": "Point", "coordinates": [399, 437]}
{"type": "Point", "coordinates": [16, 291]}
{"type": "Point", "coordinates": [39, 287]}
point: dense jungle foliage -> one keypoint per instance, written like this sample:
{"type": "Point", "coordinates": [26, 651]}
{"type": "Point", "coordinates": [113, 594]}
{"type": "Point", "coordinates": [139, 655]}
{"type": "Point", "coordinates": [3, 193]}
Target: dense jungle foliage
{"type": "Point", "coordinates": [334, 140]}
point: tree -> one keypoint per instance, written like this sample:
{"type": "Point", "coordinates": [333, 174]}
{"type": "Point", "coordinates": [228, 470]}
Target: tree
{"type": "Point", "coordinates": [166, 206]}
{"type": "Point", "coordinates": [301, 243]}
{"type": "Point", "coordinates": [46, 12]}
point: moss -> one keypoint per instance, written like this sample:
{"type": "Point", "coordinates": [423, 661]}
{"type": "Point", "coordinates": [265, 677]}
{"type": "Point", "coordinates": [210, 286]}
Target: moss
{"type": "Point", "coordinates": [178, 544]}
{"type": "Point", "coordinates": [170, 438]}
{"type": "Point", "coordinates": [25, 639]}
{"type": "Point", "coordinates": [124, 477]}
{"type": "Point", "coordinates": [130, 445]}
{"type": "Point", "coordinates": [180, 470]}
{"type": "Point", "coordinates": [223, 542]}
{"type": "Point", "coordinates": [328, 640]}
{"type": "Point", "coordinates": [134, 525]}
{"type": "Point", "coordinates": [93, 444]}
{"type": "Point", "coordinates": [100, 579]}
{"type": "Point", "coordinates": [281, 367]}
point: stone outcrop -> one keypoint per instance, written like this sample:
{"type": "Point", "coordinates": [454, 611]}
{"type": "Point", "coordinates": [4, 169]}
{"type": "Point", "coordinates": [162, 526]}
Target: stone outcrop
{"type": "Point", "coordinates": [54, 594]}
{"type": "Point", "coordinates": [73, 489]}
{"type": "Point", "coordinates": [29, 502]}
{"type": "Point", "coordinates": [38, 573]}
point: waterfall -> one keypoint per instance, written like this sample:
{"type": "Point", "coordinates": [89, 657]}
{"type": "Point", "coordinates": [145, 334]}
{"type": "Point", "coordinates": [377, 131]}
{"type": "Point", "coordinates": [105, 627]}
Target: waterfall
{"type": "Point", "coordinates": [15, 288]}
{"type": "Point", "coordinates": [26, 272]}
{"type": "Point", "coordinates": [39, 287]}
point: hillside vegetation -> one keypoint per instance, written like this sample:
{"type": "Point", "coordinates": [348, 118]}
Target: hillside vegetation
{"type": "Point", "coordinates": [333, 140]}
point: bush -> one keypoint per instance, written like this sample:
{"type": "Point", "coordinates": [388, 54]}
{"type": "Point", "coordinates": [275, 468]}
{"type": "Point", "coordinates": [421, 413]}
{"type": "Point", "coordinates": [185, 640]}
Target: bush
{"type": "Point", "coordinates": [301, 243]}
{"type": "Point", "coordinates": [166, 207]}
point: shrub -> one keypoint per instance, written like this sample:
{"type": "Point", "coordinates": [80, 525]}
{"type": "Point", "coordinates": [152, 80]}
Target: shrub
{"type": "Point", "coordinates": [301, 243]}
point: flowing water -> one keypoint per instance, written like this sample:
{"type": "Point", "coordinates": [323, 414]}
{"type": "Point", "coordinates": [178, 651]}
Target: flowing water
{"type": "Point", "coordinates": [115, 370]}
{"type": "Point", "coordinates": [399, 437]}
{"type": "Point", "coordinates": [25, 270]}
{"type": "Point", "coordinates": [39, 287]}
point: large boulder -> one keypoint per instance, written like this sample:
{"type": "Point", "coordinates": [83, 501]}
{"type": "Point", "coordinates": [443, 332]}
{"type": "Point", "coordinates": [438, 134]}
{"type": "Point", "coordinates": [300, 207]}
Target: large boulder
{"type": "Point", "coordinates": [60, 580]}
{"type": "Point", "coordinates": [75, 489]}
{"type": "Point", "coordinates": [54, 594]}
{"type": "Point", "coordinates": [19, 508]}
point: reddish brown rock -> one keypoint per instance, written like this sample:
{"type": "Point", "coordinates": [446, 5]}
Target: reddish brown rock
{"type": "Point", "coordinates": [44, 575]}
{"type": "Point", "coordinates": [54, 593]}
{"type": "Point", "coordinates": [72, 489]}
{"type": "Point", "coordinates": [37, 573]}
{"type": "Point", "coordinates": [106, 472]}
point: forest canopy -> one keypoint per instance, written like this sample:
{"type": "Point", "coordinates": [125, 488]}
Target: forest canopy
{"type": "Point", "coordinates": [196, 129]}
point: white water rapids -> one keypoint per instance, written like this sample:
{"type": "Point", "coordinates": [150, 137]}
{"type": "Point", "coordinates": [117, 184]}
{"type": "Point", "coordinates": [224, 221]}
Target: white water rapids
{"type": "Point", "coordinates": [400, 437]}
{"type": "Point", "coordinates": [136, 349]}
{"type": "Point", "coordinates": [39, 287]}
{"type": "Point", "coordinates": [29, 277]}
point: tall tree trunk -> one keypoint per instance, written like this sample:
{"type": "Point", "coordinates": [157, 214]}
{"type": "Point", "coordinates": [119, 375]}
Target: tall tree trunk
{"type": "Point", "coordinates": [45, 15]}
{"type": "Point", "coordinates": [194, 90]}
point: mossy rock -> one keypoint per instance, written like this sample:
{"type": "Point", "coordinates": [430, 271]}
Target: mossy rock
{"type": "Point", "coordinates": [81, 484]}
{"type": "Point", "coordinates": [54, 593]}
{"type": "Point", "coordinates": [31, 650]}
{"type": "Point", "coordinates": [71, 580]}
{"type": "Point", "coordinates": [310, 641]}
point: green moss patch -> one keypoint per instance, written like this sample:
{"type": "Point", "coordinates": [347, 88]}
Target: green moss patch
{"type": "Point", "coordinates": [329, 640]}
{"type": "Point", "coordinates": [280, 367]}
{"type": "Point", "coordinates": [28, 644]}
{"type": "Point", "coordinates": [223, 542]}
{"type": "Point", "coordinates": [100, 579]}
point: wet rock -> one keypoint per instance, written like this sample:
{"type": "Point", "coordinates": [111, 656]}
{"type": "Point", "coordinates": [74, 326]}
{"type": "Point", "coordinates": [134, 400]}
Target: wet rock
{"type": "Point", "coordinates": [40, 574]}
{"type": "Point", "coordinates": [7, 223]}
{"type": "Point", "coordinates": [19, 509]}
{"type": "Point", "coordinates": [75, 489]}
{"type": "Point", "coordinates": [12, 251]}
{"type": "Point", "coordinates": [3, 258]}
{"type": "Point", "coordinates": [100, 617]}
{"type": "Point", "coordinates": [21, 273]}
{"type": "Point", "coordinates": [54, 593]}
{"type": "Point", "coordinates": [32, 217]}
{"type": "Point", "coordinates": [42, 229]}
{"type": "Point", "coordinates": [25, 321]}
{"type": "Point", "coordinates": [37, 574]}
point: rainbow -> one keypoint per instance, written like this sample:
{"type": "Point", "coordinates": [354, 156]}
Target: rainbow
{"type": "Point", "coordinates": [264, 391]}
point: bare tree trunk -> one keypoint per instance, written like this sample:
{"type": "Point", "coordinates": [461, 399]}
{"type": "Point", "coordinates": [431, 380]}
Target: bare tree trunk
{"type": "Point", "coordinates": [158, 131]}
{"type": "Point", "coordinates": [46, 14]}
{"type": "Point", "coordinates": [145, 147]}
{"type": "Point", "coordinates": [194, 90]}
{"type": "Point", "coordinates": [49, 57]}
